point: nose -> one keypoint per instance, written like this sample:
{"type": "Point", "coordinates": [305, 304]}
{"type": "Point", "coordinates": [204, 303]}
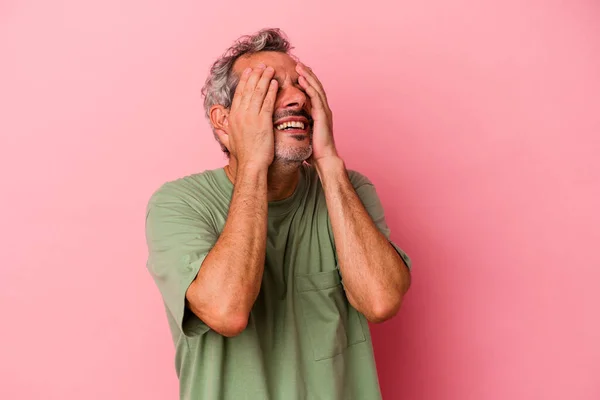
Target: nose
{"type": "Point", "coordinates": [292, 97]}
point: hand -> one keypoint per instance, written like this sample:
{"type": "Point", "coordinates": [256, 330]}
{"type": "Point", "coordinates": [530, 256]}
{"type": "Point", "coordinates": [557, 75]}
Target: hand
{"type": "Point", "coordinates": [251, 139]}
{"type": "Point", "coordinates": [323, 142]}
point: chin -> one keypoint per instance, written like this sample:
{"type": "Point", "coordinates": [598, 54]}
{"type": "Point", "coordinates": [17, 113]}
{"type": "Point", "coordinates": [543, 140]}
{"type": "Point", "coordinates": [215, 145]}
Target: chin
{"type": "Point", "coordinates": [293, 153]}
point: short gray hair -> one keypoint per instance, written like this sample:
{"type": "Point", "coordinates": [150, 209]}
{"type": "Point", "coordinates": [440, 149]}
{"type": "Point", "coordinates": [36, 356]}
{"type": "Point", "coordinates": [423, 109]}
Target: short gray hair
{"type": "Point", "coordinates": [221, 83]}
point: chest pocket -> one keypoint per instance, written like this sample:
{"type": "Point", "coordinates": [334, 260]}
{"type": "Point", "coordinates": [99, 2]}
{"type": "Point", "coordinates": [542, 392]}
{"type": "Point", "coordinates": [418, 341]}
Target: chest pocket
{"type": "Point", "coordinates": [330, 321]}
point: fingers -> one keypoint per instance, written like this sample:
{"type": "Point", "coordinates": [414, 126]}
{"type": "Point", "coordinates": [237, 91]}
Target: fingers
{"type": "Point", "coordinates": [312, 79]}
{"type": "Point", "coordinates": [250, 86]}
{"type": "Point", "coordinates": [255, 88]}
{"type": "Point", "coordinates": [315, 97]}
{"type": "Point", "coordinates": [268, 106]}
{"type": "Point", "coordinates": [260, 91]}
{"type": "Point", "coordinates": [237, 96]}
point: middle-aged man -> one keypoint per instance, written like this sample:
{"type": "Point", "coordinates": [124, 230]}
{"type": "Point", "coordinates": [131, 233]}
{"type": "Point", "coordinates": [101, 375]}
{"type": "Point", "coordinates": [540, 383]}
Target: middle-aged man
{"type": "Point", "coordinates": [270, 267]}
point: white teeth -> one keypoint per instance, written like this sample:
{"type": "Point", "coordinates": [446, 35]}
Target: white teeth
{"type": "Point", "coordinates": [292, 124]}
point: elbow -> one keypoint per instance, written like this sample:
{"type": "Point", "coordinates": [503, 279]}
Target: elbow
{"type": "Point", "coordinates": [222, 320]}
{"type": "Point", "coordinates": [226, 323]}
{"type": "Point", "coordinates": [231, 325]}
{"type": "Point", "coordinates": [383, 310]}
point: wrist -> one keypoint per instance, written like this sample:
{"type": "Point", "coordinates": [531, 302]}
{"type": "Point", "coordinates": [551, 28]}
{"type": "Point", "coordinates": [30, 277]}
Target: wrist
{"type": "Point", "coordinates": [253, 167]}
{"type": "Point", "coordinates": [330, 166]}
{"type": "Point", "coordinates": [250, 173]}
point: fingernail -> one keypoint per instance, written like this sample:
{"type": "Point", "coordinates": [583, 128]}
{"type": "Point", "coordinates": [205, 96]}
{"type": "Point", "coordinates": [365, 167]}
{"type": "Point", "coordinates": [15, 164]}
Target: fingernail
{"type": "Point", "coordinates": [261, 66]}
{"type": "Point", "coordinates": [269, 69]}
{"type": "Point", "coordinates": [247, 70]}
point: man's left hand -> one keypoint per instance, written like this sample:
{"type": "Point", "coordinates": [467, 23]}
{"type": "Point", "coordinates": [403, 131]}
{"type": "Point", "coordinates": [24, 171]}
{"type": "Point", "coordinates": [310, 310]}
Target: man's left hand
{"type": "Point", "coordinates": [322, 139]}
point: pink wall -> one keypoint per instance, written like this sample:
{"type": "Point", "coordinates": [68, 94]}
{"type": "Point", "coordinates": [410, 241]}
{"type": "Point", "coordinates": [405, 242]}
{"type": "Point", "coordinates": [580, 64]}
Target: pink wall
{"type": "Point", "coordinates": [479, 123]}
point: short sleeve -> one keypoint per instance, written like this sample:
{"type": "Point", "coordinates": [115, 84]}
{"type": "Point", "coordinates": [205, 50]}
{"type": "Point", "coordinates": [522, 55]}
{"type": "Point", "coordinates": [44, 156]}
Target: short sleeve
{"type": "Point", "coordinates": [368, 195]}
{"type": "Point", "coordinates": [178, 237]}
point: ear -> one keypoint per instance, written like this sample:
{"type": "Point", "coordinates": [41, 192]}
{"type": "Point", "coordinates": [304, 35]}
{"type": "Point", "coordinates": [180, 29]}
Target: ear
{"type": "Point", "coordinates": [219, 119]}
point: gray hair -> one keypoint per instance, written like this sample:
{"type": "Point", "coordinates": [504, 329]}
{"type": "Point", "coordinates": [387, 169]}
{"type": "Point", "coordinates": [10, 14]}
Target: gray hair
{"type": "Point", "coordinates": [221, 83]}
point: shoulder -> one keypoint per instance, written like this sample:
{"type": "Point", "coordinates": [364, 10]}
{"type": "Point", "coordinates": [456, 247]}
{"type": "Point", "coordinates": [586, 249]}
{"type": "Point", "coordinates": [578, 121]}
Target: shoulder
{"type": "Point", "coordinates": [365, 189]}
{"type": "Point", "coordinates": [190, 189]}
{"type": "Point", "coordinates": [358, 179]}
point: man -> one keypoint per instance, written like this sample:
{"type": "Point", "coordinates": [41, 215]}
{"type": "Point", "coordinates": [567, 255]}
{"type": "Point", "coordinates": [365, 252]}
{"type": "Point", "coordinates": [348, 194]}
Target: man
{"type": "Point", "coordinates": [271, 267]}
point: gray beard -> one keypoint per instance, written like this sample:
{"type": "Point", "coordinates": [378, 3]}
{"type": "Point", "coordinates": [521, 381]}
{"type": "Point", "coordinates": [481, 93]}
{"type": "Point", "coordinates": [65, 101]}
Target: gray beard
{"type": "Point", "coordinates": [292, 154]}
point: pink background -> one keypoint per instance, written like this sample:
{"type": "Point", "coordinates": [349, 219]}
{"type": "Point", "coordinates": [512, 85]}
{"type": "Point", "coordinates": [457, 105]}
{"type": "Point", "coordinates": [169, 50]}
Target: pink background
{"type": "Point", "coordinates": [479, 122]}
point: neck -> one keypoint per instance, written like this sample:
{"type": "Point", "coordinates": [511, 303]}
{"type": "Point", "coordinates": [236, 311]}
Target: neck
{"type": "Point", "coordinates": [282, 178]}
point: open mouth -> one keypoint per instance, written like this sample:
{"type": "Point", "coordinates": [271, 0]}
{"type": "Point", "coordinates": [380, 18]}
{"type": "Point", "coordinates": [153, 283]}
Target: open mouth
{"type": "Point", "coordinates": [295, 125]}
{"type": "Point", "coordinates": [292, 126]}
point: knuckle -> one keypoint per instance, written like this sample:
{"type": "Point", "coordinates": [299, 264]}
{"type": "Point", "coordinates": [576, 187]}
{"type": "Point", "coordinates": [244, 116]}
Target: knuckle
{"type": "Point", "coordinates": [258, 89]}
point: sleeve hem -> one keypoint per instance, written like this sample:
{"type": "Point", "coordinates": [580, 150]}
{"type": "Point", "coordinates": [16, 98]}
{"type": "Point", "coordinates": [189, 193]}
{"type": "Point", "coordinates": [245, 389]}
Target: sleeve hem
{"type": "Point", "coordinates": [187, 321]}
{"type": "Point", "coordinates": [403, 255]}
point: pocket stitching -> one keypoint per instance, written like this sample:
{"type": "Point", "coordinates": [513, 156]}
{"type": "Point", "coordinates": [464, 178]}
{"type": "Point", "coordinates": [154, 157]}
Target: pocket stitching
{"type": "Point", "coordinates": [347, 326]}
{"type": "Point", "coordinates": [318, 289]}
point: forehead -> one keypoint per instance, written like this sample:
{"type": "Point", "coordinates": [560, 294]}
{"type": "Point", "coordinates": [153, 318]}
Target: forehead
{"type": "Point", "coordinates": [281, 62]}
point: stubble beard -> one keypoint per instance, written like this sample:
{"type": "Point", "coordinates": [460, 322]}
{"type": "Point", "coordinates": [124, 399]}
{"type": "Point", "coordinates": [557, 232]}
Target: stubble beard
{"type": "Point", "coordinates": [286, 153]}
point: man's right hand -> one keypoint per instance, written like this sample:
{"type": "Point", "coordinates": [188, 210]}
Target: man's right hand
{"type": "Point", "coordinates": [227, 285]}
{"type": "Point", "coordinates": [251, 139]}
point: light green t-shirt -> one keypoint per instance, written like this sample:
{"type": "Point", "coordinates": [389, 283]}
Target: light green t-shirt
{"type": "Point", "coordinates": [303, 339]}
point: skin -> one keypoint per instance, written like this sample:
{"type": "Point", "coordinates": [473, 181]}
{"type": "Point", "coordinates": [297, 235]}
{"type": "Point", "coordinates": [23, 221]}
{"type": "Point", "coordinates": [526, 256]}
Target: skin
{"type": "Point", "coordinates": [264, 166]}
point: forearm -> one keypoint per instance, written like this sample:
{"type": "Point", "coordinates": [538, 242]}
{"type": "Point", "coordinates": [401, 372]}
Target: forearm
{"type": "Point", "coordinates": [228, 282]}
{"type": "Point", "coordinates": [374, 274]}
